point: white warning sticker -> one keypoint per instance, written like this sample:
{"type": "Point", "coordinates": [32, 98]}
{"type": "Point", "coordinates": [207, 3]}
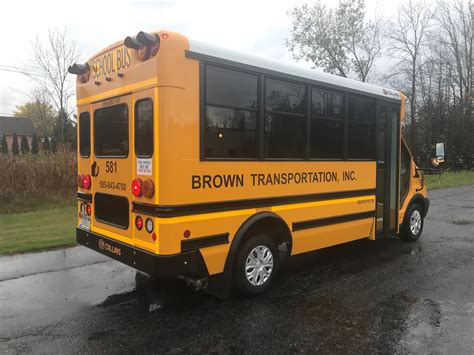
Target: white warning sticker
{"type": "Point", "coordinates": [144, 167]}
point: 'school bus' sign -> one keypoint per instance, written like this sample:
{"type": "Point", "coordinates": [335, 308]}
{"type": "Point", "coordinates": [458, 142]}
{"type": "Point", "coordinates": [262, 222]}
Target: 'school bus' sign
{"type": "Point", "coordinates": [111, 62]}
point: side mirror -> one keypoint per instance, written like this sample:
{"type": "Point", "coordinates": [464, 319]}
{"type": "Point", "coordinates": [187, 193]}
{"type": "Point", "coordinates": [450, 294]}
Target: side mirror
{"type": "Point", "coordinates": [439, 154]}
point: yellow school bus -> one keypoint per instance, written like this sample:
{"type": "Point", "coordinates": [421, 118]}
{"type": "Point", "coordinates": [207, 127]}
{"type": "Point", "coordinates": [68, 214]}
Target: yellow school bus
{"type": "Point", "coordinates": [212, 165]}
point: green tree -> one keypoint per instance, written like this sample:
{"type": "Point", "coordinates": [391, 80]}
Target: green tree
{"type": "Point", "coordinates": [46, 146]}
{"type": "Point", "coordinates": [341, 40]}
{"type": "Point", "coordinates": [24, 147]}
{"type": "Point", "coordinates": [4, 144]}
{"type": "Point", "coordinates": [34, 145]}
{"type": "Point", "coordinates": [15, 148]}
{"type": "Point", "coordinates": [40, 111]}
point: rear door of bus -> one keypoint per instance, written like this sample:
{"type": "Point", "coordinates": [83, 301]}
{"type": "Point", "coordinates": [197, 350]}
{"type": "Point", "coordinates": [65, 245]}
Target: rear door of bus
{"type": "Point", "coordinates": [111, 166]}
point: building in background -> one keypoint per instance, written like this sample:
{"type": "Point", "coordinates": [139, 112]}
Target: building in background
{"type": "Point", "coordinates": [22, 126]}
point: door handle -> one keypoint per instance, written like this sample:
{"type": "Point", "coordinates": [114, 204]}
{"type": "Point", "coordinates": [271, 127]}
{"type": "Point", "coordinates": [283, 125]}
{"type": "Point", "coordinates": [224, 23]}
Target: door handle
{"type": "Point", "coordinates": [94, 169]}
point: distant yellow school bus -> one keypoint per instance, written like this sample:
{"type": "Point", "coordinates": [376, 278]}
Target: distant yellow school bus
{"type": "Point", "coordinates": [210, 165]}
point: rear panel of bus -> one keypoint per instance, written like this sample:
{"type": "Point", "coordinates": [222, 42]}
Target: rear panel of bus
{"type": "Point", "coordinates": [113, 160]}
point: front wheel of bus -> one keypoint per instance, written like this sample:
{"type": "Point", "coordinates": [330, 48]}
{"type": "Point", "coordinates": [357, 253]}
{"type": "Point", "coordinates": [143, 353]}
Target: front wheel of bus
{"type": "Point", "coordinates": [413, 224]}
{"type": "Point", "coordinates": [256, 266]}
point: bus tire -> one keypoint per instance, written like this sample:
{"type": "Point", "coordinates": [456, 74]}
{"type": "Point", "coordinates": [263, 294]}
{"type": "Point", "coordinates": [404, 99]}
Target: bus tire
{"type": "Point", "coordinates": [256, 265]}
{"type": "Point", "coordinates": [413, 224]}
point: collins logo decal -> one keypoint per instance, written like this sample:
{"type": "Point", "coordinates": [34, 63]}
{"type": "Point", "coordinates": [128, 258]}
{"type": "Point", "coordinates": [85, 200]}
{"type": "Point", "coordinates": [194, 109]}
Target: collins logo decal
{"type": "Point", "coordinates": [109, 247]}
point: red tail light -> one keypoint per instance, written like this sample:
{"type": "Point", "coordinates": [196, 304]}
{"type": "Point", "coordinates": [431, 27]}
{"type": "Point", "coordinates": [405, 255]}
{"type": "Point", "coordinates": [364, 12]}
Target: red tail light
{"type": "Point", "coordinates": [137, 187]}
{"type": "Point", "coordinates": [88, 210]}
{"type": "Point", "coordinates": [139, 223]}
{"type": "Point", "coordinates": [86, 181]}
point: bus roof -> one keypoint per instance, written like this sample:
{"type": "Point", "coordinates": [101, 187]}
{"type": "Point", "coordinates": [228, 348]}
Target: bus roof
{"type": "Point", "coordinates": [290, 69]}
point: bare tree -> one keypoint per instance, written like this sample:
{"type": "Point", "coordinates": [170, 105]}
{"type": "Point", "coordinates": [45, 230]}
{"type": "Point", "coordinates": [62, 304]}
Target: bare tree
{"type": "Point", "coordinates": [340, 41]}
{"type": "Point", "coordinates": [53, 59]}
{"type": "Point", "coordinates": [455, 23]}
{"type": "Point", "coordinates": [408, 34]}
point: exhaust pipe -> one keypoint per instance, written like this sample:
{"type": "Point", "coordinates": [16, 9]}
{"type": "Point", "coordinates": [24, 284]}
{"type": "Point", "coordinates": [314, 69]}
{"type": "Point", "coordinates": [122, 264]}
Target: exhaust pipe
{"type": "Point", "coordinates": [197, 284]}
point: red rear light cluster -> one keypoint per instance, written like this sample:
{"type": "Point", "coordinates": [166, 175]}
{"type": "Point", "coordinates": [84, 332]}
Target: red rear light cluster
{"type": "Point", "coordinates": [149, 226]}
{"type": "Point", "coordinates": [137, 187]}
{"type": "Point", "coordinates": [84, 181]}
{"type": "Point", "coordinates": [139, 223]}
{"type": "Point", "coordinates": [143, 188]}
{"type": "Point", "coordinates": [86, 208]}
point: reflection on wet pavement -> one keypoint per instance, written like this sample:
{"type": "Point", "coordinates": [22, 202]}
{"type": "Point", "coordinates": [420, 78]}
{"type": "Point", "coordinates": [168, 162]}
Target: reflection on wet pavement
{"type": "Point", "coordinates": [362, 297]}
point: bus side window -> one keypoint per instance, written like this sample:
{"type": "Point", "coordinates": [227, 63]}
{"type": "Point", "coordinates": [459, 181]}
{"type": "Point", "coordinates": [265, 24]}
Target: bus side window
{"type": "Point", "coordinates": [327, 124]}
{"type": "Point", "coordinates": [144, 128]}
{"type": "Point", "coordinates": [231, 114]}
{"type": "Point", "coordinates": [285, 121]}
{"type": "Point", "coordinates": [361, 128]}
{"type": "Point", "coordinates": [85, 134]}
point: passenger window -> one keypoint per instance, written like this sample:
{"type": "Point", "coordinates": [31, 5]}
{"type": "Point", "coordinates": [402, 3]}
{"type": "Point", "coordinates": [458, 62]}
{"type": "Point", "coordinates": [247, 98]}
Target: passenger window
{"type": "Point", "coordinates": [327, 124]}
{"type": "Point", "coordinates": [361, 128]}
{"type": "Point", "coordinates": [285, 123]}
{"type": "Point", "coordinates": [144, 128]}
{"type": "Point", "coordinates": [231, 114]}
{"type": "Point", "coordinates": [85, 134]}
{"type": "Point", "coordinates": [111, 131]}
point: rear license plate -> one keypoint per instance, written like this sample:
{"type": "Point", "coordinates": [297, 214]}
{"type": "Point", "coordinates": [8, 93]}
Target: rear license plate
{"type": "Point", "coordinates": [85, 221]}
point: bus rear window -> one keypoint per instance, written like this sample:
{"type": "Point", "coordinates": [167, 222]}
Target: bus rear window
{"type": "Point", "coordinates": [144, 128]}
{"type": "Point", "coordinates": [85, 134]}
{"type": "Point", "coordinates": [111, 131]}
{"type": "Point", "coordinates": [111, 209]}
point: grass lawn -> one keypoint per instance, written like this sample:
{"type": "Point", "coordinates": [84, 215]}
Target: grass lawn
{"type": "Point", "coordinates": [33, 231]}
{"type": "Point", "coordinates": [450, 179]}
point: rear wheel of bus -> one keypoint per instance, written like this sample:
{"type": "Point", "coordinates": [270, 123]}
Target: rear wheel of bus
{"type": "Point", "coordinates": [413, 224]}
{"type": "Point", "coordinates": [256, 265]}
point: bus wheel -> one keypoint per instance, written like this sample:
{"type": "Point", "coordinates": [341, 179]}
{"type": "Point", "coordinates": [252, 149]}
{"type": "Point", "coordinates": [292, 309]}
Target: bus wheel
{"type": "Point", "coordinates": [413, 224]}
{"type": "Point", "coordinates": [256, 265]}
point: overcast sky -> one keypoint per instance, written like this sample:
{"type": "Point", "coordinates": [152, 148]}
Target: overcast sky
{"type": "Point", "coordinates": [255, 26]}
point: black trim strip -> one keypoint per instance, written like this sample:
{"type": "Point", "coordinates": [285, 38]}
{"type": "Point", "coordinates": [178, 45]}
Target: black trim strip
{"type": "Point", "coordinates": [207, 207]}
{"type": "Point", "coordinates": [84, 197]}
{"type": "Point", "coordinates": [203, 242]}
{"type": "Point", "coordinates": [321, 222]}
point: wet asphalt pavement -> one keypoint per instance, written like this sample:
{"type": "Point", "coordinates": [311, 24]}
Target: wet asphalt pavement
{"type": "Point", "coordinates": [363, 297]}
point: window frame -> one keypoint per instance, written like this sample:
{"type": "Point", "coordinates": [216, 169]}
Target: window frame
{"type": "Point", "coordinates": [128, 132]}
{"type": "Point", "coordinates": [135, 122]}
{"type": "Point", "coordinates": [303, 115]}
{"type": "Point", "coordinates": [344, 120]}
{"type": "Point", "coordinates": [203, 109]}
{"type": "Point", "coordinates": [263, 74]}
{"type": "Point", "coordinates": [374, 124]}
{"type": "Point", "coordinates": [80, 135]}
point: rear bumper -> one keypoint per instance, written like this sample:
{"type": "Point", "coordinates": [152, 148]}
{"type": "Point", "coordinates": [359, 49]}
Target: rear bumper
{"type": "Point", "coordinates": [161, 266]}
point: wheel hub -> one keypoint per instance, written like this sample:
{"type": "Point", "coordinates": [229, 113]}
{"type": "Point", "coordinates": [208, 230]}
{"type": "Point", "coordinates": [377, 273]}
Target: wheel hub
{"type": "Point", "coordinates": [259, 265]}
{"type": "Point", "coordinates": [415, 222]}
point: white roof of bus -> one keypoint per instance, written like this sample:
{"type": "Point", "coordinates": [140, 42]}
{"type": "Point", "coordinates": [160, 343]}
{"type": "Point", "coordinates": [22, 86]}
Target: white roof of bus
{"type": "Point", "coordinates": [273, 65]}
